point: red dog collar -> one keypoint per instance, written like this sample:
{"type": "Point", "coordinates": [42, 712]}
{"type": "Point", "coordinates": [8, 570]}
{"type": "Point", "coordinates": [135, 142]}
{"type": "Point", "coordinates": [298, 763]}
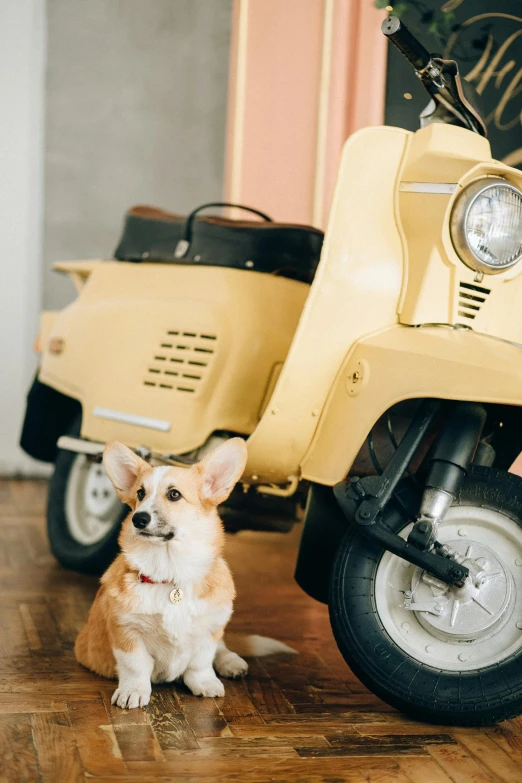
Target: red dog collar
{"type": "Point", "coordinates": [143, 578]}
{"type": "Point", "coordinates": [176, 595]}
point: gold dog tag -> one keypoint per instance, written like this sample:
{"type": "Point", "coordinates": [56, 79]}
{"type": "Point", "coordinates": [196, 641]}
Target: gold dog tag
{"type": "Point", "coordinates": [176, 595]}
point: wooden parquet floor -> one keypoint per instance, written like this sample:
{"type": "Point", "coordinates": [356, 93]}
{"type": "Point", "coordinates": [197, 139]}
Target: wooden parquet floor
{"type": "Point", "coordinates": [295, 719]}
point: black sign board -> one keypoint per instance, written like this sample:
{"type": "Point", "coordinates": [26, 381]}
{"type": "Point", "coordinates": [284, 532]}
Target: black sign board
{"type": "Point", "coordinates": [485, 37]}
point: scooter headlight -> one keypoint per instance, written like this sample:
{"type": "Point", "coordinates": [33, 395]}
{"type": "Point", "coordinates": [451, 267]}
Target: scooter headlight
{"type": "Point", "coordinates": [486, 225]}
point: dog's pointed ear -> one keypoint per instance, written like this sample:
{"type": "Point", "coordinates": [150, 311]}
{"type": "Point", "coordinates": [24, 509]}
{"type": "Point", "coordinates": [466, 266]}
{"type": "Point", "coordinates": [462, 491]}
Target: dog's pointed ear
{"type": "Point", "coordinates": [123, 467]}
{"type": "Point", "coordinates": [221, 470]}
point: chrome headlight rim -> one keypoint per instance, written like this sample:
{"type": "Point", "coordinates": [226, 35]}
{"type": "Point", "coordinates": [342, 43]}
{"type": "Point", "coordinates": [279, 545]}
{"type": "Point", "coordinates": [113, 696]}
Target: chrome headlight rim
{"type": "Point", "coordinates": [459, 219]}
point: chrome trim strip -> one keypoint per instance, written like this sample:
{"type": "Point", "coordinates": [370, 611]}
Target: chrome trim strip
{"type": "Point", "coordinates": [130, 418]}
{"type": "Point", "coordinates": [446, 188]}
{"type": "Point", "coordinates": [464, 328]}
{"type": "Point", "coordinates": [80, 446]}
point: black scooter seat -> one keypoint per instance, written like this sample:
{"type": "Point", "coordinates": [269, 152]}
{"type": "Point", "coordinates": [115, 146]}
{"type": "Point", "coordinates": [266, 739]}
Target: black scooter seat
{"type": "Point", "coordinates": [151, 234]}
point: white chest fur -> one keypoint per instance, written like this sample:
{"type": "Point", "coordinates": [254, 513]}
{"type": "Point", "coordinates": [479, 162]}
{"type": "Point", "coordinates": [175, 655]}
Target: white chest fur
{"type": "Point", "coordinates": [172, 632]}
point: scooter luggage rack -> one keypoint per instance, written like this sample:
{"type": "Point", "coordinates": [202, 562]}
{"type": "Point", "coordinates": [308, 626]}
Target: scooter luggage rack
{"type": "Point", "coordinates": [363, 499]}
{"type": "Point", "coordinates": [94, 449]}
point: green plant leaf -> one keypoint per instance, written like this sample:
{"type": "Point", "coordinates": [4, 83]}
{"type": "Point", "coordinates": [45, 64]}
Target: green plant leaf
{"type": "Point", "coordinates": [399, 9]}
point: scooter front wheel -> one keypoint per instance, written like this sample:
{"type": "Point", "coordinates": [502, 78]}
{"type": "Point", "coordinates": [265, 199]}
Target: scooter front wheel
{"type": "Point", "coordinates": [447, 655]}
{"type": "Point", "coordinates": [84, 513]}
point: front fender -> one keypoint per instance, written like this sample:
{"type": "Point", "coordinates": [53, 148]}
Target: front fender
{"type": "Point", "coordinates": [324, 525]}
{"type": "Point", "coordinates": [401, 363]}
{"type": "Point", "coordinates": [48, 414]}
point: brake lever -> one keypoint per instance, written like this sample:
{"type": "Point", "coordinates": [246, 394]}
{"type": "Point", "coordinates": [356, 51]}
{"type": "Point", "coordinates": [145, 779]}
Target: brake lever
{"type": "Point", "coordinates": [441, 78]}
{"type": "Point", "coordinates": [449, 91]}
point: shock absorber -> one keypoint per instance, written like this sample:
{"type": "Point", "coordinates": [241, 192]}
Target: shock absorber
{"type": "Point", "coordinates": [449, 463]}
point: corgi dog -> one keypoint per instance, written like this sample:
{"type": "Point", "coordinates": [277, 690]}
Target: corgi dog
{"type": "Point", "coordinates": [162, 606]}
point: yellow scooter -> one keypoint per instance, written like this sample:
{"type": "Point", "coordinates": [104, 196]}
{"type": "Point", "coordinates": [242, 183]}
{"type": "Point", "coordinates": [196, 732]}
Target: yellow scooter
{"type": "Point", "coordinates": [411, 328]}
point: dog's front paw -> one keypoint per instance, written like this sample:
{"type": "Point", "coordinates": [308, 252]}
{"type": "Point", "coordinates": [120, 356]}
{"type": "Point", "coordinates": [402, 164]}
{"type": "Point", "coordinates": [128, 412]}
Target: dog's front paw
{"type": "Point", "coordinates": [129, 697]}
{"type": "Point", "coordinates": [230, 665]}
{"type": "Point", "coordinates": [208, 686]}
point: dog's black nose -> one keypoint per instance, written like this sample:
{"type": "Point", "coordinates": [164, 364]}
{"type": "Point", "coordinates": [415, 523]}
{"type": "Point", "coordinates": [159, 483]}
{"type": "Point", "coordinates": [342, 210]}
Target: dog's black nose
{"type": "Point", "coordinates": [141, 519]}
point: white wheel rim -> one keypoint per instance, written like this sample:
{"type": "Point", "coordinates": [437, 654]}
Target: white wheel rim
{"type": "Point", "coordinates": [92, 507]}
{"type": "Point", "coordinates": [489, 626]}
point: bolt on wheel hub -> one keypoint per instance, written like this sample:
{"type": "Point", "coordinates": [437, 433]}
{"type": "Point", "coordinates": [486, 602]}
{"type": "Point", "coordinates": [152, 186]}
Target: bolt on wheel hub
{"type": "Point", "coordinates": [476, 610]}
{"type": "Point", "coordinates": [99, 494]}
{"type": "Point", "coordinates": [92, 507]}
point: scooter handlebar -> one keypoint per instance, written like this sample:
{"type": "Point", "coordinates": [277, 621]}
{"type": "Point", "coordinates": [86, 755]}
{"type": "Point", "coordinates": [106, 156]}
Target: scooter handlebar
{"type": "Point", "coordinates": [400, 36]}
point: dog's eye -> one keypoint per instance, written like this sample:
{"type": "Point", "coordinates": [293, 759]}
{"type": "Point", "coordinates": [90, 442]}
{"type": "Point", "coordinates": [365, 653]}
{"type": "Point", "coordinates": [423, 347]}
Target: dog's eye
{"type": "Point", "coordinates": [173, 494]}
{"type": "Point", "coordinates": [140, 493]}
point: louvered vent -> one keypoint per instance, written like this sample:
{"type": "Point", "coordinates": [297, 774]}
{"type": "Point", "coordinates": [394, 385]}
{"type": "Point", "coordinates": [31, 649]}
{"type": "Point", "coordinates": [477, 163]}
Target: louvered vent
{"type": "Point", "coordinates": [471, 299]}
{"type": "Point", "coordinates": [181, 362]}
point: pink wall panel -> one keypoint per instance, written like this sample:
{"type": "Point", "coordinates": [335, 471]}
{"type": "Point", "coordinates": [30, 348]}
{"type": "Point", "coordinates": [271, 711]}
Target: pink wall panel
{"type": "Point", "coordinates": [276, 118]}
{"type": "Point", "coordinates": [303, 75]}
{"type": "Point", "coordinates": [356, 88]}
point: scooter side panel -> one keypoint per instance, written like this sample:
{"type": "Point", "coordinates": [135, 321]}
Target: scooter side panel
{"type": "Point", "coordinates": [47, 321]}
{"type": "Point", "coordinates": [188, 349]}
{"type": "Point", "coordinates": [355, 291]}
{"type": "Point", "coordinates": [403, 363]}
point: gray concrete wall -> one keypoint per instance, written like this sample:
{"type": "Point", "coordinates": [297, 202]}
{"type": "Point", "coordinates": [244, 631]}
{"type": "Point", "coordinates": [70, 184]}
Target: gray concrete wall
{"type": "Point", "coordinates": [135, 113]}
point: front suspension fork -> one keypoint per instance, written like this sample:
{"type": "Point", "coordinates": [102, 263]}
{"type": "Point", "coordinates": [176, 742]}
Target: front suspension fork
{"type": "Point", "coordinates": [363, 500]}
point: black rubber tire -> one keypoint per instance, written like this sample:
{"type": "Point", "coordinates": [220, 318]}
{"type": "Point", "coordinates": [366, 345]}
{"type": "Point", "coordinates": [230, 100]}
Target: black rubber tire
{"type": "Point", "coordinates": [92, 559]}
{"type": "Point", "coordinates": [471, 698]}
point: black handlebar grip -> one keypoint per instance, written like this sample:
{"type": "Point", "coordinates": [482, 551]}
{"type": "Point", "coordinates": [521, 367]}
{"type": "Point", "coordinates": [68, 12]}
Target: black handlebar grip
{"type": "Point", "coordinates": [400, 36]}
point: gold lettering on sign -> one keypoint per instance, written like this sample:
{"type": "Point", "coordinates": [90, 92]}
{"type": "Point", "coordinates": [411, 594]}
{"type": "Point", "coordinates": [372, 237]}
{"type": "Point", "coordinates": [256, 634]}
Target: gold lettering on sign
{"type": "Point", "coordinates": [498, 70]}
{"type": "Point", "coordinates": [451, 5]}
{"type": "Point", "coordinates": [514, 158]}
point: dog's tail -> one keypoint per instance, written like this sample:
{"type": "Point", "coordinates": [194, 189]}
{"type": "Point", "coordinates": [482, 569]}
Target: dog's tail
{"type": "Point", "coordinates": [253, 646]}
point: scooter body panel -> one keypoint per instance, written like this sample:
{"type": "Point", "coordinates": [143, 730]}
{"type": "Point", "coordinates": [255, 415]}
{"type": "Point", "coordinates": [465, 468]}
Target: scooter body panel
{"type": "Point", "coordinates": [401, 363]}
{"type": "Point", "coordinates": [191, 349]}
{"type": "Point", "coordinates": [276, 365]}
{"type": "Point", "coordinates": [391, 262]}
{"type": "Point", "coordinates": [356, 290]}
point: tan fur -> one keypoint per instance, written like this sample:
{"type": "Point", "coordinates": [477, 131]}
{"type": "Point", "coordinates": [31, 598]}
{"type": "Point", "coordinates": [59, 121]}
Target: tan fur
{"type": "Point", "coordinates": [218, 585]}
{"type": "Point", "coordinates": [102, 632]}
{"type": "Point", "coordinates": [93, 647]}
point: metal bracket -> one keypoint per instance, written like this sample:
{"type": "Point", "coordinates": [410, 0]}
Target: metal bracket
{"type": "Point", "coordinates": [80, 446]}
{"type": "Point", "coordinates": [422, 534]}
{"type": "Point", "coordinates": [363, 500]}
{"type": "Point", "coordinates": [419, 606]}
{"type": "Point", "coordinates": [94, 450]}
{"type": "Point", "coordinates": [181, 248]}
{"type": "Point", "coordinates": [442, 568]}
{"type": "Point", "coordinates": [373, 493]}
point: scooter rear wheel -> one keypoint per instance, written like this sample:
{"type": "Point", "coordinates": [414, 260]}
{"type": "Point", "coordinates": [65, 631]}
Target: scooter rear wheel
{"type": "Point", "coordinates": [84, 514]}
{"type": "Point", "coordinates": [457, 658]}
